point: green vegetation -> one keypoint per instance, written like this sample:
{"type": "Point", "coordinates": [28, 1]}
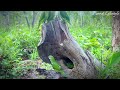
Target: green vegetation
{"type": "Point", "coordinates": [55, 65]}
{"type": "Point", "coordinates": [17, 44]}
{"type": "Point", "coordinates": [92, 32]}
{"type": "Point", "coordinates": [112, 67]}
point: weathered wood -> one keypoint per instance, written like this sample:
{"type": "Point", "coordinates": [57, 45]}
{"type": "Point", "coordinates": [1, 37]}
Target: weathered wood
{"type": "Point", "coordinates": [116, 31]}
{"type": "Point", "coordinates": [58, 42]}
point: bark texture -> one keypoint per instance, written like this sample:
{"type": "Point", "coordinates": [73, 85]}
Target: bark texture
{"type": "Point", "coordinates": [116, 32]}
{"type": "Point", "coordinates": [57, 41]}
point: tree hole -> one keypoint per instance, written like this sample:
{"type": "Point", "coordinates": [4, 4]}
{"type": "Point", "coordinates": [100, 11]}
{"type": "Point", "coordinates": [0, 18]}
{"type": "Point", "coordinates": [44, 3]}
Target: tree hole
{"type": "Point", "coordinates": [68, 62]}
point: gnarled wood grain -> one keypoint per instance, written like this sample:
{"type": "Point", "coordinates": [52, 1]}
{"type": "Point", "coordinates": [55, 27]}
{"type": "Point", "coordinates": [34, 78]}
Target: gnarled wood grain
{"type": "Point", "coordinates": [58, 42]}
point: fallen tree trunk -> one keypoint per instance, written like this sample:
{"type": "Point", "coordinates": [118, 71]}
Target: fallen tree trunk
{"type": "Point", "coordinates": [57, 41]}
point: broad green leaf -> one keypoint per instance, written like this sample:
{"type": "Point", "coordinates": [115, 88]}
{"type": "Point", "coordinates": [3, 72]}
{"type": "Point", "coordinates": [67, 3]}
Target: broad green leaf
{"type": "Point", "coordinates": [65, 16]}
{"type": "Point", "coordinates": [54, 63]}
{"type": "Point", "coordinates": [114, 59]}
{"type": "Point", "coordinates": [56, 66]}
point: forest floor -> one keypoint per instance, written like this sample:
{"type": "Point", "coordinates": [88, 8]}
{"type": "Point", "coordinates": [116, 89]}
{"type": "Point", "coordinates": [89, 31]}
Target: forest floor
{"type": "Point", "coordinates": [18, 50]}
{"type": "Point", "coordinates": [36, 70]}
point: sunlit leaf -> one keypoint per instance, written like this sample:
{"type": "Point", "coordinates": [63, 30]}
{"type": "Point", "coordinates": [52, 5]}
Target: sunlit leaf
{"type": "Point", "coordinates": [114, 59]}
{"type": "Point", "coordinates": [54, 63]}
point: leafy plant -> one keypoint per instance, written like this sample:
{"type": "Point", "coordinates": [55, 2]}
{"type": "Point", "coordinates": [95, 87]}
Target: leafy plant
{"type": "Point", "coordinates": [55, 65]}
{"type": "Point", "coordinates": [115, 58]}
{"type": "Point", "coordinates": [48, 16]}
{"type": "Point", "coordinates": [112, 66]}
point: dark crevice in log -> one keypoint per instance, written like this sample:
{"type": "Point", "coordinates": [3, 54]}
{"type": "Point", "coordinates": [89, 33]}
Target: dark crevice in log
{"type": "Point", "coordinates": [67, 61]}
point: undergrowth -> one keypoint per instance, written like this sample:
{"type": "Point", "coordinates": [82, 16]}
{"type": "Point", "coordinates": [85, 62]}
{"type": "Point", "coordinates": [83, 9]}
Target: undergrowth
{"type": "Point", "coordinates": [20, 43]}
{"type": "Point", "coordinates": [16, 44]}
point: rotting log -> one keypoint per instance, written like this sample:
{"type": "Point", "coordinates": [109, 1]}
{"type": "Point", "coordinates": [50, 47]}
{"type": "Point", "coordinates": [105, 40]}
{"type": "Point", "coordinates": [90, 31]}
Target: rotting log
{"type": "Point", "coordinates": [58, 42]}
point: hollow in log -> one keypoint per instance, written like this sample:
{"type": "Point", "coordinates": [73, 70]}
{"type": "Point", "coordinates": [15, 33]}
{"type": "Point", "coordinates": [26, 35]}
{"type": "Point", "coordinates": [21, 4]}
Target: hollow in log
{"type": "Point", "coordinates": [58, 42]}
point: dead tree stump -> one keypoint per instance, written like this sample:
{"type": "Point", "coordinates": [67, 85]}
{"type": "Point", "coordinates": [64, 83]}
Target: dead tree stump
{"type": "Point", "coordinates": [57, 41]}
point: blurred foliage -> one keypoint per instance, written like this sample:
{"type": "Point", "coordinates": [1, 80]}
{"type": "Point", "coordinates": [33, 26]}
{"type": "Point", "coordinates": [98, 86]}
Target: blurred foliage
{"type": "Point", "coordinates": [48, 16]}
{"type": "Point", "coordinates": [112, 67]}
{"type": "Point", "coordinates": [18, 42]}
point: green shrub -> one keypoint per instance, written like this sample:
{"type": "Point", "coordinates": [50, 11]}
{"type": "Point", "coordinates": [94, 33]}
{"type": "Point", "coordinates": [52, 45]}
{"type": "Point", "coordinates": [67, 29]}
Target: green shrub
{"type": "Point", "coordinates": [13, 43]}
